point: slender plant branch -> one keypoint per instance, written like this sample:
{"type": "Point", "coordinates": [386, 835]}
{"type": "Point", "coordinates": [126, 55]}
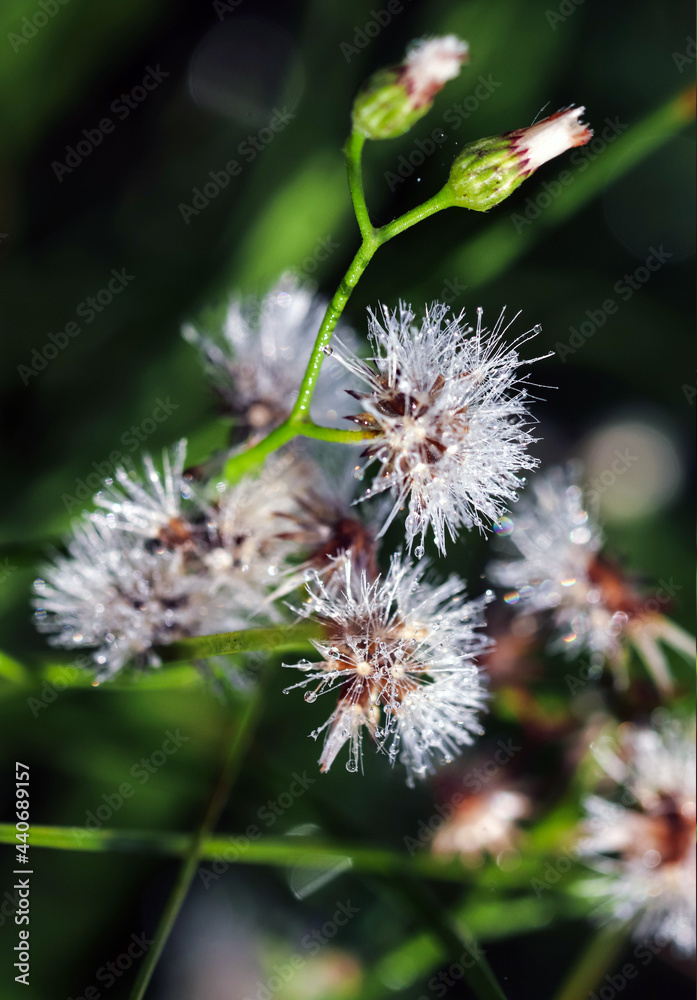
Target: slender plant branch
{"type": "Point", "coordinates": [457, 941]}
{"type": "Point", "coordinates": [595, 961]}
{"type": "Point", "coordinates": [443, 199]}
{"type": "Point", "coordinates": [282, 851]}
{"type": "Point", "coordinates": [277, 638]}
{"type": "Point", "coordinates": [352, 151]}
{"type": "Point", "coordinates": [237, 748]}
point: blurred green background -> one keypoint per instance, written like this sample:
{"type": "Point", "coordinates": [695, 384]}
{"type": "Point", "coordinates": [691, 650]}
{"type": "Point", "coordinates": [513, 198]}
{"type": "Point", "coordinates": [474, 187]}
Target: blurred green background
{"type": "Point", "coordinates": [224, 69]}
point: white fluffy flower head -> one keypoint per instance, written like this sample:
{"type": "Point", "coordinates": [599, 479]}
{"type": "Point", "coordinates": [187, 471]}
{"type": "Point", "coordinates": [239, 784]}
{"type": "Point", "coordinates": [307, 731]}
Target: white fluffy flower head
{"type": "Point", "coordinates": [449, 411]}
{"type": "Point", "coordinates": [562, 571]}
{"type": "Point", "coordinates": [163, 560]}
{"type": "Point", "coordinates": [644, 848]}
{"type": "Point", "coordinates": [259, 365]}
{"type": "Point", "coordinates": [400, 655]}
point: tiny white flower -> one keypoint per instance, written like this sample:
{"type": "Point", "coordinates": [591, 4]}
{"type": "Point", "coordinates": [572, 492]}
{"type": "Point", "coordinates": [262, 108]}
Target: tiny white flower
{"type": "Point", "coordinates": [563, 572]}
{"type": "Point", "coordinates": [258, 364]}
{"type": "Point", "coordinates": [400, 655]}
{"type": "Point", "coordinates": [551, 137]}
{"type": "Point", "coordinates": [449, 412]}
{"type": "Point", "coordinates": [644, 848]}
{"type": "Point", "coordinates": [430, 64]}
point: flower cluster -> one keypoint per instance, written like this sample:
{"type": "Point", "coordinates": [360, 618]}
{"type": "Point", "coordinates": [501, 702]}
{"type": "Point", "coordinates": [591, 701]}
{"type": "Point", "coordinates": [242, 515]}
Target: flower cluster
{"type": "Point", "coordinates": [449, 409]}
{"type": "Point", "coordinates": [400, 656]}
{"type": "Point", "coordinates": [162, 560]}
{"type": "Point", "coordinates": [644, 847]}
{"type": "Point", "coordinates": [562, 572]}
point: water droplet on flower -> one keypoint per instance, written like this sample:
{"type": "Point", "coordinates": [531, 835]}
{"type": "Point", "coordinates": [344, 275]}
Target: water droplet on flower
{"type": "Point", "coordinates": [419, 551]}
{"type": "Point", "coordinates": [310, 696]}
{"type": "Point", "coordinates": [328, 351]}
{"type": "Point", "coordinates": [352, 766]}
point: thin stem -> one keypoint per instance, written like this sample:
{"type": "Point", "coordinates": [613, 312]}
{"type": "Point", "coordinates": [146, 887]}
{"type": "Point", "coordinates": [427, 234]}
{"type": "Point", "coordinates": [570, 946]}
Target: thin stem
{"type": "Point", "coordinates": [352, 152]}
{"type": "Point", "coordinates": [458, 943]}
{"type": "Point", "coordinates": [301, 410]}
{"type": "Point", "coordinates": [336, 434]}
{"type": "Point", "coordinates": [595, 961]}
{"type": "Point", "coordinates": [444, 199]}
{"type": "Point", "coordinates": [277, 638]}
{"type": "Point", "coordinates": [283, 851]}
{"type": "Point", "coordinates": [216, 804]}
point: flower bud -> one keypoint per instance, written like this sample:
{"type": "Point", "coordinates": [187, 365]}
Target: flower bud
{"type": "Point", "coordinates": [395, 98]}
{"type": "Point", "coordinates": [489, 170]}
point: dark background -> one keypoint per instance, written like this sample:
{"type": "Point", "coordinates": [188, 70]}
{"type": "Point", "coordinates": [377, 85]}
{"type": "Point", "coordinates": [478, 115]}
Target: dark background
{"type": "Point", "coordinates": [228, 66]}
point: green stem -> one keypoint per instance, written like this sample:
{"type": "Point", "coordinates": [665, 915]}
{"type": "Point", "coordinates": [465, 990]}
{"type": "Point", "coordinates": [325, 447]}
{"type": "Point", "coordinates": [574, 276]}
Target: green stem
{"type": "Point", "coordinates": [596, 960]}
{"type": "Point", "coordinates": [303, 852]}
{"type": "Point", "coordinates": [180, 890]}
{"type": "Point", "coordinates": [443, 199]}
{"type": "Point", "coordinates": [352, 152]}
{"type": "Point", "coordinates": [301, 410]}
{"type": "Point", "coordinates": [457, 941]}
{"type": "Point", "coordinates": [277, 638]}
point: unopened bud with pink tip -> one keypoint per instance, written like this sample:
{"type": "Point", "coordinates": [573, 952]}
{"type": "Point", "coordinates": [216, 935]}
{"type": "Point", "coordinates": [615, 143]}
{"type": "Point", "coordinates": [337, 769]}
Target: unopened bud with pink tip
{"type": "Point", "coordinates": [396, 98]}
{"type": "Point", "coordinates": [489, 170]}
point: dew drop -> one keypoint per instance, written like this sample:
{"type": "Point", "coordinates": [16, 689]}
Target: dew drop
{"type": "Point", "coordinates": [328, 351]}
{"type": "Point", "coordinates": [352, 766]}
{"type": "Point", "coordinates": [419, 551]}
{"type": "Point", "coordinates": [310, 696]}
